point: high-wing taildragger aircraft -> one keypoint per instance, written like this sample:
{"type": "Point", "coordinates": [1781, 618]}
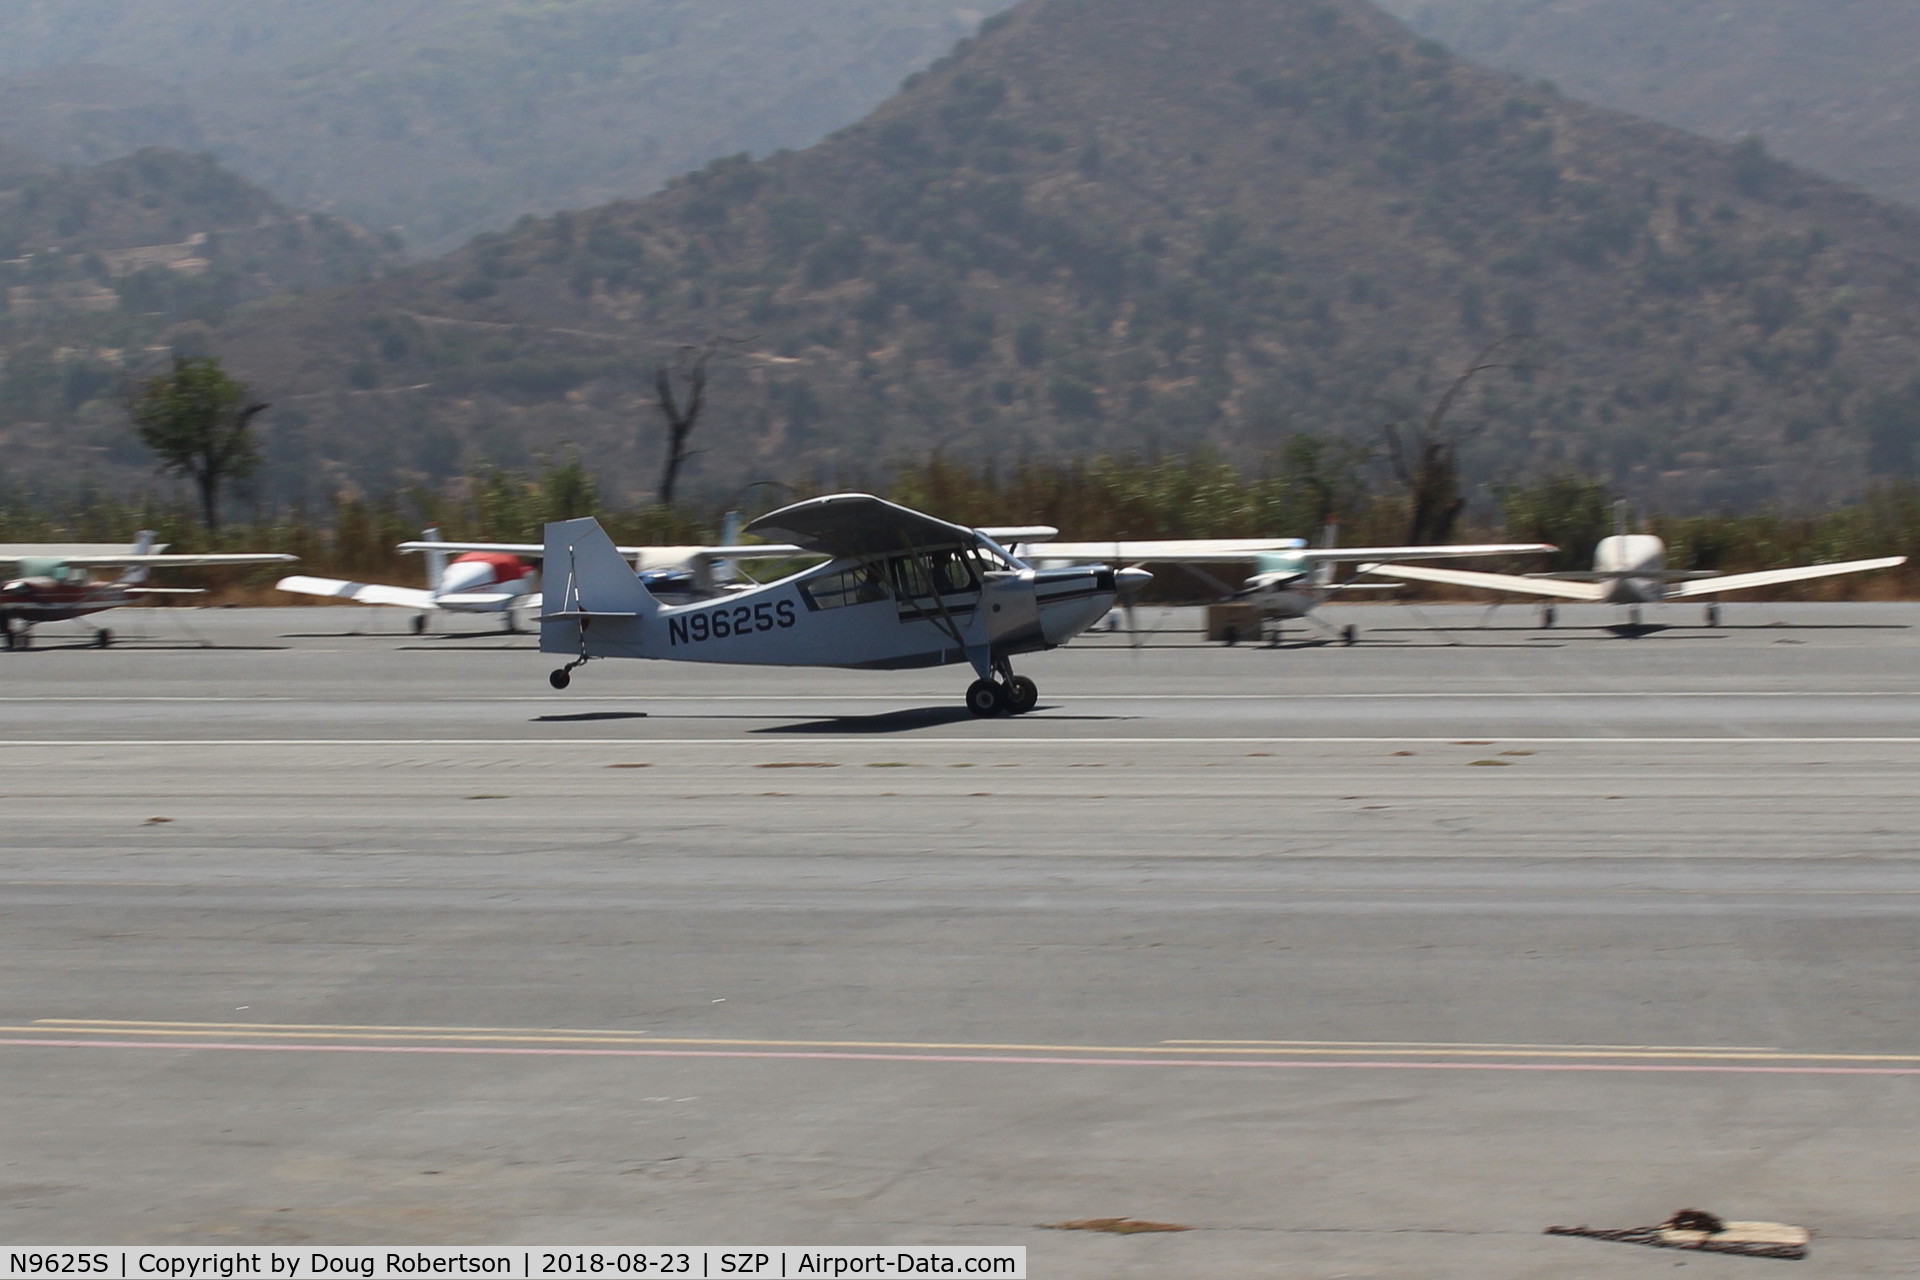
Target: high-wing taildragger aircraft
{"type": "Point", "coordinates": [53, 583]}
{"type": "Point", "coordinates": [1290, 579]}
{"type": "Point", "coordinates": [900, 590]}
{"type": "Point", "coordinates": [1630, 569]}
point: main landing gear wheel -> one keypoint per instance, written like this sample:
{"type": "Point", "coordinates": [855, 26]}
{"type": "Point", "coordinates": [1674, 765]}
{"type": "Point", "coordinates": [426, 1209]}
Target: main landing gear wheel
{"type": "Point", "coordinates": [1713, 615]}
{"type": "Point", "coordinates": [987, 698]}
{"type": "Point", "coordinates": [419, 624]}
{"type": "Point", "coordinates": [560, 678]}
{"type": "Point", "coordinates": [1548, 616]}
{"type": "Point", "coordinates": [1349, 634]}
{"type": "Point", "coordinates": [1022, 695]}
{"type": "Point", "coordinates": [102, 638]}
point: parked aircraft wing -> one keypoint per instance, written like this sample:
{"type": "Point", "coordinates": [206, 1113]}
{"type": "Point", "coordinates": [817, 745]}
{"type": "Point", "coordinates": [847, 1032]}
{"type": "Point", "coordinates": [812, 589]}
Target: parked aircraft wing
{"type": "Point", "coordinates": [859, 524]}
{"type": "Point", "coordinates": [66, 552]}
{"type": "Point", "coordinates": [129, 560]}
{"type": "Point", "coordinates": [360, 592]}
{"type": "Point", "coordinates": [1167, 550]}
{"type": "Point", "coordinates": [1009, 535]}
{"type": "Point", "coordinates": [1443, 551]}
{"type": "Point", "coordinates": [1590, 591]}
{"type": "Point", "coordinates": [674, 556]}
{"type": "Point", "coordinates": [1775, 577]}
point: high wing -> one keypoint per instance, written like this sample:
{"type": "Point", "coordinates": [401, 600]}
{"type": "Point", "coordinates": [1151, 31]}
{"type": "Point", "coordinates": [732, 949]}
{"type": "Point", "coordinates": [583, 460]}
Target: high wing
{"type": "Point", "coordinates": [1774, 577]}
{"type": "Point", "coordinates": [850, 525]}
{"type": "Point", "coordinates": [1443, 551]}
{"type": "Point", "coordinates": [1590, 591]}
{"type": "Point", "coordinates": [130, 560]}
{"type": "Point", "coordinates": [1168, 550]}
{"type": "Point", "coordinates": [363, 592]}
{"type": "Point", "coordinates": [655, 557]}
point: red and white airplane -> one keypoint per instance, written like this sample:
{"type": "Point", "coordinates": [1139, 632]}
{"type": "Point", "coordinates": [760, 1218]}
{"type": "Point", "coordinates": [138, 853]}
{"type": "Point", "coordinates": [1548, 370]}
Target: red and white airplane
{"type": "Point", "coordinates": [53, 582]}
{"type": "Point", "coordinates": [458, 581]}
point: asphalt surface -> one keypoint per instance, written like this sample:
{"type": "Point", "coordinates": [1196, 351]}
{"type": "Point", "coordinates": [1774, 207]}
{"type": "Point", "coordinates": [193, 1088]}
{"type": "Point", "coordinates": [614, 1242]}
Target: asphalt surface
{"type": "Point", "coordinates": [1368, 961]}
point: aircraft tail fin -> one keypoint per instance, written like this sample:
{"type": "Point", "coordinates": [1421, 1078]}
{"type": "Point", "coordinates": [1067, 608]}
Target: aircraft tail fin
{"type": "Point", "coordinates": [436, 560]}
{"type": "Point", "coordinates": [142, 546]}
{"type": "Point", "coordinates": [587, 577]}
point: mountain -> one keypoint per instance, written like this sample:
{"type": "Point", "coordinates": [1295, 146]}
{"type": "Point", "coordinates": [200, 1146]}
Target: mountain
{"type": "Point", "coordinates": [98, 266]}
{"type": "Point", "coordinates": [440, 119]}
{"type": "Point", "coordinates": [1834, 86]}
{"type": "Point", "coordinates": [1120, 224]}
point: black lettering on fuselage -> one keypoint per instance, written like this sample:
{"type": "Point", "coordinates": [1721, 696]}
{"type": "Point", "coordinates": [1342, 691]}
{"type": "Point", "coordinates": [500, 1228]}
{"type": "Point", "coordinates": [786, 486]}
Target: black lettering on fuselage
{"type": "Point", "coordinates": [729, 620]}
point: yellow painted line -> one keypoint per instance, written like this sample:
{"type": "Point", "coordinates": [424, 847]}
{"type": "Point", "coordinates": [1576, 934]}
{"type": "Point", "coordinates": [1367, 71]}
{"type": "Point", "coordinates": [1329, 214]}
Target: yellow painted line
{"type": "Point", "coordinates": [285, 1031]}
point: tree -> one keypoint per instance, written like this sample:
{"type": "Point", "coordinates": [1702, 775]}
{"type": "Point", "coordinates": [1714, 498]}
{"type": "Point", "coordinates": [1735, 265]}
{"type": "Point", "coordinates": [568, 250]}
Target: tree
{"type": "Point", "coordinates": [689, 368]}
{"type": "Point", "coordinates": [198, 422]}
{"type": "Point", "coordinates": [1425, 459]}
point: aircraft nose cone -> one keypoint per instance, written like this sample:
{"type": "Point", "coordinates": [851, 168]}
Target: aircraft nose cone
{"type": "Point", "coordinates": [1128, 581]}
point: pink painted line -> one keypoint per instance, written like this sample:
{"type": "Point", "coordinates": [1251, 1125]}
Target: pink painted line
{"type": "Point", "coordinates": [994, 1059]}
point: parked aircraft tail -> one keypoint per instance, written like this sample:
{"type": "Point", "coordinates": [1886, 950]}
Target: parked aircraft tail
{"type": "Point", "coordinates": [436, 560]}
{"type": "Point", "coordinates": [142, 546]}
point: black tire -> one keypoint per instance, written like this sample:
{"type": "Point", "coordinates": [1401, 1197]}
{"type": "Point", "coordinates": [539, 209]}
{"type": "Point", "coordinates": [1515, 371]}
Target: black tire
{"type": "Point", "coordinates": [1023, 695]}
{"type": "Point", "coordinates": [419, 624]}
{"type": "Point", "coordinates": [102, 638]}
{"type": "Point", "coordinates": [560, 678]}
{"type": "Point", "coordinates": [1349, 634]}
{"type": "Point", "coordinates": [1231, 635]}
{"type": "Point", "coordinates": [1549, 616]}
{"type": "Point", "coordinates": [985, 698]}
{"type": "Point", "coordinates": [1713, 615]}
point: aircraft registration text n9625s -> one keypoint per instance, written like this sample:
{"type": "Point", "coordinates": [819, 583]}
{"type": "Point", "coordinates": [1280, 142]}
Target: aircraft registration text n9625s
{"type": "Point", "coordinates": [735, 620]}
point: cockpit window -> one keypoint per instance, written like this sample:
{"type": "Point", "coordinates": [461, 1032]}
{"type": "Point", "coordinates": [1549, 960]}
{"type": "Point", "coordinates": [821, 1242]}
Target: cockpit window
{"type": "Point", "coordinates": [862, 584]}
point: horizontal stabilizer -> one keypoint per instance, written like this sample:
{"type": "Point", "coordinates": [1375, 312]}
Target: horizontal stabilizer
{"type": "Point", "coordinates": [1776, 577]}
{"type": "Point", "coordinates": [1513, 582]}
{"type": "Point", "coordinates": [476, 599]}
{"type": "Point", "coordinates": [359, 592]}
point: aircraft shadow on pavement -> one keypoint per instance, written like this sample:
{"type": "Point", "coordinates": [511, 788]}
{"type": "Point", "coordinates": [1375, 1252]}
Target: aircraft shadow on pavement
{"type": "Point", "coordinates": [592, 715]}
{"type": "Point", "coordinates": [899, 721]}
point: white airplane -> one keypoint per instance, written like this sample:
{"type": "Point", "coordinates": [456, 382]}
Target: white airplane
{"type": "Point", "coordinates": [52, 582]}
{"type": "Point", "coordinates": [1630, 569]}
{"type": "Point", "coordinates": [900, 590]}
{"type": "Point", "coordinates": [461, 578]}
{"type": "Point", "coordinates": [496, 577]}
{"type": "Point", "coordinates": [1290, 578]}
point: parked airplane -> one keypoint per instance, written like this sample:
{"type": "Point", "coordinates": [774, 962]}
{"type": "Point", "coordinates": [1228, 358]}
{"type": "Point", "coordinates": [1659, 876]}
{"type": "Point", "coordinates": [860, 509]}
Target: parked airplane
{"type": "Point", "coordinates": [900, 590]}
{"type": "Point", "coordinates": [1630, 569]}
{"type": "Point", "coordinates": [53, 582]}
{"type": "Point", "coordinates": [458, 581]}
{"type": "Point", "coordinates": [1290, 579]}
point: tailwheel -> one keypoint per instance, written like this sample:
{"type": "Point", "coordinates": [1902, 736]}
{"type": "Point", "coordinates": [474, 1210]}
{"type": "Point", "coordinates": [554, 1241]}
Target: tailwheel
{"type": "Point", "coordinates": [987, 698]}
{"type": "Point", "coordinates": [560, 678]}
{"type": "Point", "coordinates": [1022, 695]}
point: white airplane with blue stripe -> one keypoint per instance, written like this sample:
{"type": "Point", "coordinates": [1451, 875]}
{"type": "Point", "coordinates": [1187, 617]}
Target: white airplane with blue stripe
{"type": "Point", "coordinates": [899, 590]}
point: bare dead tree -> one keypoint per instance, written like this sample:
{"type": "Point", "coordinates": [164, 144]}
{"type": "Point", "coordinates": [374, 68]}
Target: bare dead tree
{"type": "Point", "coordinates": [1425, 459]}
{"type": "Point", "coordinates": [681, 408]}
